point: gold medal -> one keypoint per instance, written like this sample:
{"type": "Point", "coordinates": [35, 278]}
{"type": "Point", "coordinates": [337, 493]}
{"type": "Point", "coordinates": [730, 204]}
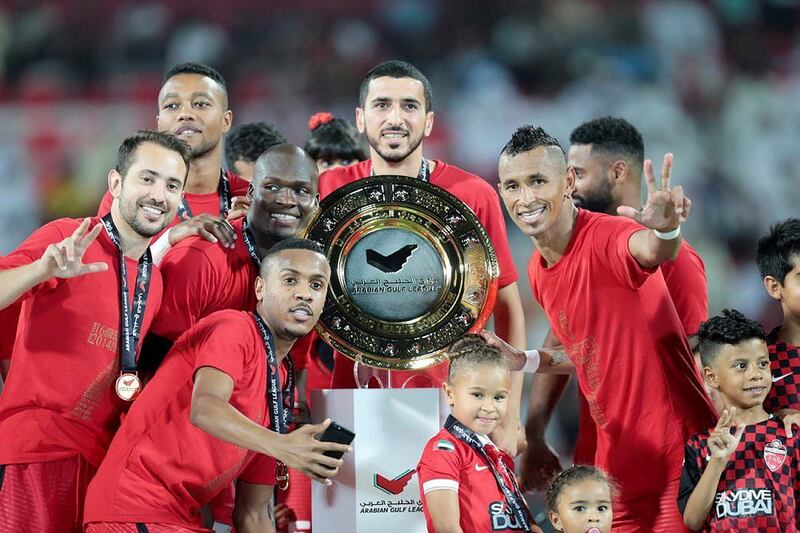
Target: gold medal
{"type": "Point", "coordinates": [128, 386]}
{"type": "Point", "coordinates": [282, 476]}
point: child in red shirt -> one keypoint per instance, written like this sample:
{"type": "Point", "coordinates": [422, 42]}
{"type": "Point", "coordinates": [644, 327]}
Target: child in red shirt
{"type": "Point", "coordinates": [465, 480]}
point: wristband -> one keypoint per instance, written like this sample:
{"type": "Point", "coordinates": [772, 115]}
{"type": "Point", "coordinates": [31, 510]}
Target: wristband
{"type": "Point", "coordinates": [532, 361]}
{"type": "Point", "coordinates": [668, 235]}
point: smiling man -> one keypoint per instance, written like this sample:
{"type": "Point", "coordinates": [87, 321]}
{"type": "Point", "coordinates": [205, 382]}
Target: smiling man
{"type": "Point", "coordinates": [597, 279]}
{"type": "Point", "coordinates": [81, 283]}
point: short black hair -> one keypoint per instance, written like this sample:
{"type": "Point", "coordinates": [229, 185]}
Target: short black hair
{"type": "Point", "coordinates": [200, 69]}
{"type": "Point", "coordinates": [611, 135]}
{"type": "Point", "coordinates": [471, 351]}
{"type": "Point", "coordinates": [570, 476]}
{"type": "Point", "coordinates": [248, 141]}
{"type": "Point", "coordinates": [291, 243]}
{"type": "Point", "coordinates": [395, 69]}
{"type": "Point", "coordinates": [731, 327]}
{"type": "Point", "coordinates": [335, 139]}
{"type": "Point", "coordinates": [779, 249]}
{"type": "Point", "coordinates": [127, 150]}
{"type": "Point", "coordinates": [527, 138]}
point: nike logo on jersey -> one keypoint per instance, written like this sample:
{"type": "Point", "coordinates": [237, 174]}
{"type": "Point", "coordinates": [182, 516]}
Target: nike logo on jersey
{"type": "Point", "coordinates": [480, 468]}
{"type": "Point", "coordinates": [778, 378]}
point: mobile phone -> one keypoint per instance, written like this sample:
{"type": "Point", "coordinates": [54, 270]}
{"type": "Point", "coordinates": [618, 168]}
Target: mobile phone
{"type": "Point", "coordinates": [336, 433]}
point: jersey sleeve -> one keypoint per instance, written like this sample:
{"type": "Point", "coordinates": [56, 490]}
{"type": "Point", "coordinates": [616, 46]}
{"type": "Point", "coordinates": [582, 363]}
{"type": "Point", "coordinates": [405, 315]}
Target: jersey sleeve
{"type": "Point", "coordinates": [187, 281]}
{"type": "Point", "coordinates": [105, 204]}
{"type": "Point", "coordinates": [610, 241]}
{"type": "Point", "coordinates": [33, 248]}
{"type": "Point", "coordinates": [260, 470]}
{"type": "Point", "coordinates": [220, 343]}
{"type": "Point", "coordinates": [441, 464]}
{"type": "Point", "coordinates": [686, 281]}
{"type": "Point", "coordinates": [690, 476]}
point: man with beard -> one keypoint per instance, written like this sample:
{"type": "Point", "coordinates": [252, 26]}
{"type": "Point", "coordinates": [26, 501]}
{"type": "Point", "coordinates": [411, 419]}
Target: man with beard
{"type": "Point", "coordinates": [607, 155]}
{"type": "Point", "coordinates": [89, 291]}
{"type": "Point", "coordinates": [597, 279]}
{"type": "Point", "coordinates": [395, 113]}
{"type": "Point", "coordinates": [193, 104]}
{"type": "Point", "coordinates": [201, 277]}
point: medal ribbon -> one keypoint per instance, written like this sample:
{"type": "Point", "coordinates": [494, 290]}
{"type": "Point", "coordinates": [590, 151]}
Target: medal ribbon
{"type": "Point", "coordinates": [249, 243]}
{"type": "Point", "coordinates": [514, 498]}
{"type": "Point", "coordinates": [279, 401]}
{"type": "Point", "coordinates": [423, 174]}
{"type": "Point", "coordinates": [131, 316]}
{"type": "Point", "coordinates": [185, 212]}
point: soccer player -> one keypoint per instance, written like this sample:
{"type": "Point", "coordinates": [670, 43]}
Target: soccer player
{"type": "Point", "coordinates": [193, 105]}
{"type": "Point", "coordinates": [220, 403]}
{"type": "Point", "coordinates": [395, 112]}
{"type": "Point", "coordinates": [467, 483]}
{"type": "Point", "coordinates": [607, 155]}
{"type": "Point", "coordinates": [778, 260]}
{"type": "Point", "coordinates": [333, 142]}
{"type": "Point", "coordinates": [598, 281]}
{"type": "Point", "coordinates": [245, 143]}
{"type": "Point", "coordinates": [201, 277]}
{"type": "Point", "coordinates": [743, 474]}
{"type": "Point", "coordinates": [89, 292]}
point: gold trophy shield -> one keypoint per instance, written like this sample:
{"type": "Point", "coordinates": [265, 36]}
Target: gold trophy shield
{"type": "Point", "coordinates": [412, 270]}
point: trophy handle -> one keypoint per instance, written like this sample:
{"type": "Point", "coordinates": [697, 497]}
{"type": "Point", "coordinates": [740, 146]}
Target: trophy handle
{"type": "Point", "coordinates": [368, 377]}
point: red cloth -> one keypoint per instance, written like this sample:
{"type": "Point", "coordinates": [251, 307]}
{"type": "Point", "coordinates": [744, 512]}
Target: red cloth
{"type": "Point", "coordinates": [9, 317]}
{"type": "Point", "coordinates": [449, 464]}
{"type": "Point", "coordinates": [198, 203]}
{"type": "Point", "coordinates": [161, 468]}
{"type": "Point", "coordinates": [298, 499]}
{"type": "Point", "coordinates": [484, 202]}
{"type": "Point", "coordinates": [117, 527]}
{"type": "Point", "coordinates": [59, 398]}
{"type": "Point", "coordinates": [619, 326]}
{"type": "Point", "coordinates": [686, 282]}
{"type": "Point", "coordinates": [44, 497]}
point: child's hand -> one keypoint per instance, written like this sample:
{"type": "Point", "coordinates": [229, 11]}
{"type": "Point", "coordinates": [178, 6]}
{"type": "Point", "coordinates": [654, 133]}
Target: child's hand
{"type": "Point", "coordinates": [722, 443]}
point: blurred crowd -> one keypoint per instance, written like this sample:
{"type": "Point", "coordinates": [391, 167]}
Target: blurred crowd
{"type": "Point", "coordinates": [717, 82]}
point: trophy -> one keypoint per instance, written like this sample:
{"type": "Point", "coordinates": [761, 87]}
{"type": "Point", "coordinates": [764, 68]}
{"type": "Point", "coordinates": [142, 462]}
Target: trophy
{"type": "Point", "coordinates": [412, 270]}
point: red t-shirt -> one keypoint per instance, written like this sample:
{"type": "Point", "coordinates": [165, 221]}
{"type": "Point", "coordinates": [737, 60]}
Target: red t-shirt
{"type": "Point", "coordinates": [619, 327]}
{"type": "Point", "coordinates": [59, 399]}
{"type": "Point", "coordinates": [449, 464]}
{"type": "Point", "coordinates": [201, 277]}
{"type": "Point", "coordinates": [484, 202]}
{"type": "Point", "coordinates": [160, 467]}
{"type": "Point", "coordinates": [198, 203]}
{"type": "Point", "coordinates": [9, 317]}
{"type": "Point", "coordinates": [686, 282]}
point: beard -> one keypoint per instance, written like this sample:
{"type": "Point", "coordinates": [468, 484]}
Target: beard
{"type": "Point", "coordinates": [598, 201]}
{"type": "Point", "coordinates": [389, 154]}
{"type": "Point", "coordinates": [131, 215]}
{"type": "Point", "coordinates": [202, 149]}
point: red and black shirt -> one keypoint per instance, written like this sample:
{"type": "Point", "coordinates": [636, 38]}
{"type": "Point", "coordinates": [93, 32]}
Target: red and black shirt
{"type": "Point", "coordinates": [784, 363]}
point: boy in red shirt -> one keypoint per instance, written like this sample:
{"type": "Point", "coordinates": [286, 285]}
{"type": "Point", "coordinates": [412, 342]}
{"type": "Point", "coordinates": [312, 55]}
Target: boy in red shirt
{"type": "Point", "coordinates": [597, 278]}
{"type": "Point", "coordinates": [467, 483]}
{"type": "Point", "coordinates": [742, 475]}
{"type": "Point", "coordinates": [778, 261]}
{"type": "Point", "coordinates": [89, 292]}
{"type": "Point", "coordinates": [218, 410]}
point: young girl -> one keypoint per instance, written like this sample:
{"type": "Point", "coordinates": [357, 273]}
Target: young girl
{"type": "Point", "coordinates": [333, 142]}
{"type": "Point", "coordinates": [579, 500]}
{"type": "Point", "coordinates": [467, 483]}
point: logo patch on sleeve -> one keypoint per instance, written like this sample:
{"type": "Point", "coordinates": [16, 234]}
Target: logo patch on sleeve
{"type": "Point", "coordinates": [444, 445]}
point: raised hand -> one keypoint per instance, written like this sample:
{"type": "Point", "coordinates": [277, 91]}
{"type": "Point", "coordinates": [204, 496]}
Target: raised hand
{"type": "Point", "coordinates": [65, 259]}
{"type": "Point", "coordinates": [304, 452]}
{"type": "Point", "coordinates": [666, 208]}
{"type": "Point", "coordinates": [209, 227]}
{"type": "Point", "coordinates": [722, 443]}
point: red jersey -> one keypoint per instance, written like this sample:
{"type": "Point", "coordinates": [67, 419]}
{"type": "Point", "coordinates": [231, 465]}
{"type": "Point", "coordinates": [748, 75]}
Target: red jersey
{"type": "Point", "coordinates": [619, 327]}
{"type": "Point", "coordinates": [9, 317]}
{"type": "Point", "coordinates": [484, 202]}
{"type": "Point", "coordinates": [758, 491]}
{"type": "Point", "coordinates": [198, 203]}
{"type": "Point", "coordinates": [447, 463]}
{"type": "Point", "coordinates": [784, 362]}
{"type": "Point", "coordinates": [160, 467]}
{"type": "Point", "coordinates": [59, 399]}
